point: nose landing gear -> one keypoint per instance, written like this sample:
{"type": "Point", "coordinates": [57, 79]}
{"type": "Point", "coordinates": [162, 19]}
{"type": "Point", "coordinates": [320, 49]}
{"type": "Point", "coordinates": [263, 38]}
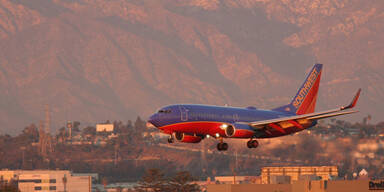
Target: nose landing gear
{"type": "Point", "coordinates": [252, 144]}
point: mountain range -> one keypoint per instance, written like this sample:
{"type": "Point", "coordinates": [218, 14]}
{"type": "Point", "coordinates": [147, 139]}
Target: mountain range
{"type": "Point", "coordinates": [97, 60]}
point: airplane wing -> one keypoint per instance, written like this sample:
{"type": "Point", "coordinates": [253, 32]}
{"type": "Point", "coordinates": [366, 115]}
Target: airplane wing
{"type": "Point", "coordinates": [310, 116]}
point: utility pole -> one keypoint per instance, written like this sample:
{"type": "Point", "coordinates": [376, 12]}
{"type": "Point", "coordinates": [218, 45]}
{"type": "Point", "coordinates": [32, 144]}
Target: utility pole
{"type": "Point", "coordinates": [45, 142]}
{"type": "Point", "coordinates": [47, 119]}
{"type": "Point", "coordinates": [48, 127]}
{"type": "Point", "coordinates": [42, 142]}
{"type": "Point", "coordinates": [203, 164]}
{"type": "Point", "coordinates": [23, 157]}
{"type": "Point", "coordinates": [116, 158]}
{"type": "Point", "coordinates": [65, 182]}
{"type": "Point", "coordinates": [235, 168]}
{"type": "Point", "coordinates": [69, 126]}
{"type": "Point", "coordinates": [236, 160]}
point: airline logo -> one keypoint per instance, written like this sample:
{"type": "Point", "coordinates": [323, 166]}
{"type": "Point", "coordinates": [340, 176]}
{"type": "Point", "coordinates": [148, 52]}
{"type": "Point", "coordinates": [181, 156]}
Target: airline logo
{"type": "Point", "coordinates": [305, 89]}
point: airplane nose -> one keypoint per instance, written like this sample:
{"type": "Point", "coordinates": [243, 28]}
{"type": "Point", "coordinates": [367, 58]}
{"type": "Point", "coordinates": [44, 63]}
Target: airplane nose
{"type": "Point", "coordinates": [152, 120]}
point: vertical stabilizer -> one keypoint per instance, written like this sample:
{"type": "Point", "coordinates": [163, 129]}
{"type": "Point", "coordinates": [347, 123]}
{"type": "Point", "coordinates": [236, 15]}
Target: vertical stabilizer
{"type": "Point", "coordinates": [305, 100]}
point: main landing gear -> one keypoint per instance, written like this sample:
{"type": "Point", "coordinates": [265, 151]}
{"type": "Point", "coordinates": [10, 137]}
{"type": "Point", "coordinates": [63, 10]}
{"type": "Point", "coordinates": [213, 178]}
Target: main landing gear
{"type": "Point", "coordinates": [252, 143]}
{"type": "Point", "coordinates": [222, 146]}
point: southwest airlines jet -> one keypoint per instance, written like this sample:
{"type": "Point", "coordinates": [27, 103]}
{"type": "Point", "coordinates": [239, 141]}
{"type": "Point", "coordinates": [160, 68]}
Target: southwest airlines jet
{"type": "Point", "coordinates": [192, 123]}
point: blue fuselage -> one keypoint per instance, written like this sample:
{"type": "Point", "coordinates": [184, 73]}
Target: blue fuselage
{"type": "Point", "coordinates": [177, 117]}
{"type": "Point", "coordinates": [173, 114]}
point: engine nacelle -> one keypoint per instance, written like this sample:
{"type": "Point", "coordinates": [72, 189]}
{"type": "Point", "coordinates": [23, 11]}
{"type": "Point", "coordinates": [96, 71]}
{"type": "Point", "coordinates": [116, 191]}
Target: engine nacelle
{"type": "Point", "coordinates": [229, 131]}
{"type": "Point", "coordinates": [239, 130]}
{"type": "Point", "coordinates": [187, 138]}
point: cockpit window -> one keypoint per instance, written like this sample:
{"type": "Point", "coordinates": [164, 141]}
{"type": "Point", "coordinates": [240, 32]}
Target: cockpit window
{"type": "Point", "coordinates": [164, 111]}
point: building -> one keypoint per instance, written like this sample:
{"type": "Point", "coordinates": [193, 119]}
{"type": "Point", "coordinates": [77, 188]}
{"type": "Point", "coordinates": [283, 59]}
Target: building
{"type": "Point", "coordinates": [297, 173]}
{"type": "Point", "coordinates": [304, 186]}
{"type": "Point", "coordinates": [48, 180]}
{"type": "Point", "coordinates": [6, 175]}
{"type": "Point", "coordinates": [104, 127]}
{"type": "Point", "coordinates": [237, 179]}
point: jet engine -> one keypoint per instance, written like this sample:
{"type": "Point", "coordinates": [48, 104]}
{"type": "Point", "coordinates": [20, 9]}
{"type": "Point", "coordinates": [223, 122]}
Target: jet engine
{"type": "Point", "coordinates": [239, 130]}
{"type": "Point", "coordinates": [187, 138]}
{"type": "Point", "coordinates": [229, 130]}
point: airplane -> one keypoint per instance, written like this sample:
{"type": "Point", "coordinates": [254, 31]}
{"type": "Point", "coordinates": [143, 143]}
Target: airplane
{"type": "Point", "coordinates": [191, 123]}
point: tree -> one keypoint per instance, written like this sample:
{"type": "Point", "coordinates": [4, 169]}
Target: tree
{"type": "Point", "coordinates": [76, 126]}
{"type": "Point", "coordinates": [140, 125]}
{"type": "Point", "coordinates": [308, 148]}
{"type": "Point", "coordinates": [62, 135]}
{"type": "Point", "coordinates": [89, 131]}
{"type": "Point", "coordinates": [182, 183]}
{"type": "Point", "coordinates": [8, 186]}
{"type": "Point", "coordinates": [153, 180]}
{"type": "Point", "coordinates": [31, 132]}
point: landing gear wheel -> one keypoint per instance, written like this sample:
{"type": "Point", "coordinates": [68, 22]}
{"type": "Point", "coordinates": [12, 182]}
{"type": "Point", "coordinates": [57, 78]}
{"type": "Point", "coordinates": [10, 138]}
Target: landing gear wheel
{"type": "Point", "coordinates": [219, 146]}
{"type": "Point", "coordinates": [222, 146]}
{"type": "Point", "coordinates": [171, 140]}
{"type": "Point", "coordinates": [252, 144]}
{"type": "Point", "coordinates": [249, 144]}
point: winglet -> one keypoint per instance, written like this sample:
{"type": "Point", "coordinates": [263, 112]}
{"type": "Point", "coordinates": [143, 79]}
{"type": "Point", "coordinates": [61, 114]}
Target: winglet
{"type": "Point", "coordinates": [354, 101]}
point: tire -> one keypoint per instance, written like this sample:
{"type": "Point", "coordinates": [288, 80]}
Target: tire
{"type": "Point", "coordinates": [255, 144]}
{"type": "Point", "coordinates": [252, 144]}
{"type": "Point", "coordinates": [224, 146]}
{"type": "Point", "coordinates": [249, 144]}
{"type": "Point", "coordinates": [219, 147]}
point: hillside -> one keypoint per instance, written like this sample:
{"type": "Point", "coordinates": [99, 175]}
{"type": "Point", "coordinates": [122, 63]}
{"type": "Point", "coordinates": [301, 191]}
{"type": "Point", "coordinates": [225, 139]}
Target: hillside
{"type": "Point", "coordinates": [94, 60]}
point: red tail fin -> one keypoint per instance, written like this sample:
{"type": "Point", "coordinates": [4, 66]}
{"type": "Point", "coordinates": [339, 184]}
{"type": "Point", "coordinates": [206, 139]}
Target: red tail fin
{"type": "Point", "coordinates": [305, 100]}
